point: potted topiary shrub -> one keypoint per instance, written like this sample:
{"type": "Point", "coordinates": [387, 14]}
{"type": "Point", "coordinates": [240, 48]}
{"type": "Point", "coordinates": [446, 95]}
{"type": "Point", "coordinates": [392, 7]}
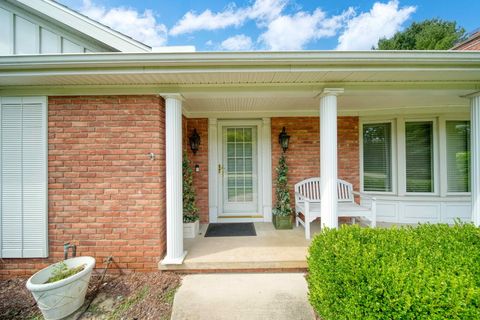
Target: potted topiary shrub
{"type": "Point", "coordinates": [191, 224]}
{"type": "Point", "coordinates": [282, 211]}
{"type": "Point", "coordinates": [60, 288]}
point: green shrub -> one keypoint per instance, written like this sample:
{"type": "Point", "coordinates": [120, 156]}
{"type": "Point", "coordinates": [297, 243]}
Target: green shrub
{"type": "Point", "coordinates": [423, 272]}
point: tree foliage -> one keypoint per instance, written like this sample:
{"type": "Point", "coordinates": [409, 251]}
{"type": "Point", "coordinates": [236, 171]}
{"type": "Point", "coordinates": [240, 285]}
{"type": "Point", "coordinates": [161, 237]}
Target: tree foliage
{"type": "Point", "coordinates": [434, 34]}
{"type": "Point", "coordinates": [282, 205]}
{"type": "Point", "coordinates": [190, 210]}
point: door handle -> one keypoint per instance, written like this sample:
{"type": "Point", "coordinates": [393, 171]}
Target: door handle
{"type": "Point", "coordinates": [220, 169]}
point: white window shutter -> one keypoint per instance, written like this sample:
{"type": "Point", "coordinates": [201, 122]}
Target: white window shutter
{"type": "Point", "coordinates": [34, 181]}
{"type": "Point", "coordinates": [12, 241]}
{"type": "Point", "coordinates": [23, 178]}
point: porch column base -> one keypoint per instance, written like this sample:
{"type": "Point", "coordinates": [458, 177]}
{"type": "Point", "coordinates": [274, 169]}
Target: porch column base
{"type": "Point", "coordinates": [174, 260]}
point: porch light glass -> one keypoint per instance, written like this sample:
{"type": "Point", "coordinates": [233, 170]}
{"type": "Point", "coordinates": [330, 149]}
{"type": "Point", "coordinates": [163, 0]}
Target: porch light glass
{"type": "Point", "coordinates": [283, 139]}
{"type": "Point", "coordinates": [194, 141]}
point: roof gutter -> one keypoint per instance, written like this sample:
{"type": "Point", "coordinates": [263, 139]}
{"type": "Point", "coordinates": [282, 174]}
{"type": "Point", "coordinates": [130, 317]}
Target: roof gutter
{"type": "Point", "coordinates": [400, 59]}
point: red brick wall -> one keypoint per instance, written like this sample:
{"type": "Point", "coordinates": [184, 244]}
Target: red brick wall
{"type": "Point", "coordinates": [200, 179]}
{"type": "Point", "coordinates": [303, 154]}
{"type": "Point", "coordinates": [105, 194]}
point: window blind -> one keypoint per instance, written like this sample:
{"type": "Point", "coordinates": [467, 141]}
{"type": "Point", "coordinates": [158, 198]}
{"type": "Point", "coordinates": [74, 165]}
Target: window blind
{"type": "Point", "coordinates": [419, 156]}
{"type": "Point", "coordinates": [458, 156]}
{"type": "Point", "coordinates": [377, 157]}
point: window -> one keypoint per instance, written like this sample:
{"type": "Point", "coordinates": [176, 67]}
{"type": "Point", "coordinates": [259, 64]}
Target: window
{"type": "Point", "coordinates": [377, 157]}
{"type": "Point", "coordinates": [23, 177]}
{"type": "Point", "coordinates": [419, 156]}
{"type": "Point", "coordinates": [458, 156]}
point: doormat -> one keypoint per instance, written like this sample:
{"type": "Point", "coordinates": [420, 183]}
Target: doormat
{"type": "Point", "coordinates": [230, 230]}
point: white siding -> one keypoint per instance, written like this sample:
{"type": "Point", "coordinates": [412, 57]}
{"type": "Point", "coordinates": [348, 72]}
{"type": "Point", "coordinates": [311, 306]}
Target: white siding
{"type": "Point", "coordinates": [26, 36]}
{"type": "Point", "coordinates": [23, 174]}
{"type": "Point", "coordinates": [6, 32]}
{"type": "Point", "coordinates": [70, 47]}
{"type": "Point", "coordinates": [21, 32]}
{"type": "Point", "coordinates": [49, 41]}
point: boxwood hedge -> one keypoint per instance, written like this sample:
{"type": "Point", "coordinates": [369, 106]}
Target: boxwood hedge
{"type": "Point", "coordinates": [423, 272]}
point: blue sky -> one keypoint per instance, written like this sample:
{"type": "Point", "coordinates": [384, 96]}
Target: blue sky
{"type": "Point", "coordinates": [214, 25]}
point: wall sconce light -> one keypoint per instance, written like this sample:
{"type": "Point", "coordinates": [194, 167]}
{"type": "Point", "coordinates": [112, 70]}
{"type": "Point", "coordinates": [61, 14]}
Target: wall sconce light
{"type": "Point", "coordinates": [283, 139]}
{"type": "Point", "coordinates": [194, 141]}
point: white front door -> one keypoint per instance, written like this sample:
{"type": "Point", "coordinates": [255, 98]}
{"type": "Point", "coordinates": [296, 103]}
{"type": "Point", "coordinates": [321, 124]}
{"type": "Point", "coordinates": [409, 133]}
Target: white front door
{"type": "Point", "coordinates": [238, 170]}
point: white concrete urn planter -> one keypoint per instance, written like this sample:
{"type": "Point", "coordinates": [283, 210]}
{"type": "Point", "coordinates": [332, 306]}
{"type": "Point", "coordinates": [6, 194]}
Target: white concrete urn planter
{"type": "Point", "coordinates": [191, 229]}
{"type": "Point", "coordinates": [59, 299]}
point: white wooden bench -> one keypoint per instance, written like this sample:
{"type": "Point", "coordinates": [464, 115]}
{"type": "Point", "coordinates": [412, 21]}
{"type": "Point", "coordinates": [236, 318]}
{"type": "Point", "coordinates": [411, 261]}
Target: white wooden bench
{"type": "Point", "coordinates": [307, 202]}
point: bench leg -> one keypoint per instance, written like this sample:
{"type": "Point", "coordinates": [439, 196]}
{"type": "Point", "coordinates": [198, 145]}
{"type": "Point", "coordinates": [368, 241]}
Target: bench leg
{"type": "Point", "coordinates": [307, 220]}
{"type": "Point", "coordinates": [353, 220]}
{"type": "Point", "coordinates": [296, 220]}
{"type": "Point", "coordinates": [307, 230]}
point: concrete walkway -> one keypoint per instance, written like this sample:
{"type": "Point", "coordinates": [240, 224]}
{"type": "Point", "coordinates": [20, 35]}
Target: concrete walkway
{"type": "Point", "coordinates": [242, 296]}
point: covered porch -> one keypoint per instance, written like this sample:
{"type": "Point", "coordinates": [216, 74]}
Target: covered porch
{"type": "Point", "coordinates": [324, 99]}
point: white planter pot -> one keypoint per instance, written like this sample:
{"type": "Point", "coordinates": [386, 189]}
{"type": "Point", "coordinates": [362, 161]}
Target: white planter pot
{"type": "Point", "coordinates": [59, 299]}
{"type": "Point", "coordinates": [191, 229]}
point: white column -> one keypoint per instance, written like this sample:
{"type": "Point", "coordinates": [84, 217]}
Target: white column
{"type": "Point", "coordinates": [475, 158]}
{"type": "Point", "coordinates": [174, 187]}
{"type": "Point", "coordinates": [328, 156]}
{"type": "Point", "coordinates": [212, 170]}
{"type": "Point", "coordinates": [266, 156]}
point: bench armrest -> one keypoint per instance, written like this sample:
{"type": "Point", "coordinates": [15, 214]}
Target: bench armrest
{"type": "Point", "coordinates": [363, 195]}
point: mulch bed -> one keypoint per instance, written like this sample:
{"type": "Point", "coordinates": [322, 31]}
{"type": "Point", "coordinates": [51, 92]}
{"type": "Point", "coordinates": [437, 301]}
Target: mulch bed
{"type": "Point", "coordinates": [129, 296]}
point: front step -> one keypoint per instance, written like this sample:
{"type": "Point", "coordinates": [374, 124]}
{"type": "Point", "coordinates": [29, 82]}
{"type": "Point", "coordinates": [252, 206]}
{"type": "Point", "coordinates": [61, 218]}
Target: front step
{"type": "Point", "coordinates": [236, 266]}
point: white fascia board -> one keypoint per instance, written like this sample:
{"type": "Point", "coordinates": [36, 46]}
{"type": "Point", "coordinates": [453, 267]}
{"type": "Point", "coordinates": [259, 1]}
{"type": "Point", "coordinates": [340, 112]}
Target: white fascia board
{"type": "Point", "coordinates": [85, 25]}
{"type": "Point", "coordinates": [360, 60]}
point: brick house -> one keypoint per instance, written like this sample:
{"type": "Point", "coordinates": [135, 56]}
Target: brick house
{"type": "Point", "coordinates": [92, 125]}
{"type": "Point", "coordinates": [472, 43]}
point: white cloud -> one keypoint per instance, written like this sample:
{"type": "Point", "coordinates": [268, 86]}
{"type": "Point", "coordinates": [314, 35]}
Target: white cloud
{"type": "Point", "coordinates": [140, 26]}
{"type": "Point", "coordinates": [383, 20]}
{"type": "Point", "coordinates": [293, 32]}
{"type": "Point", "coordinates": [232, 16]}
{"type": "Point", "coordinates": [237, 43]}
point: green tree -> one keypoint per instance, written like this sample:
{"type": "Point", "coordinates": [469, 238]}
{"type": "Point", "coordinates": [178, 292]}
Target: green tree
{"type": "Point", "coordinates": [282, 205]}
{"type": "Point", "coordinates": [434, 34]}
{"type": "Point", "coordinates": [190, 210]}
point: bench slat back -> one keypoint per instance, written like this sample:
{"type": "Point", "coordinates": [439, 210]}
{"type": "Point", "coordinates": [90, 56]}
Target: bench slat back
{"type": "Point", "coordinates": [310, 188]}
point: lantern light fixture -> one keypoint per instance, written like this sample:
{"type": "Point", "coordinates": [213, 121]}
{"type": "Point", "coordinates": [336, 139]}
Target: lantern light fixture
{"type": "Point", "coordinates": [283, 139]}
{"type": "Point", "coordinates": [194, 141]}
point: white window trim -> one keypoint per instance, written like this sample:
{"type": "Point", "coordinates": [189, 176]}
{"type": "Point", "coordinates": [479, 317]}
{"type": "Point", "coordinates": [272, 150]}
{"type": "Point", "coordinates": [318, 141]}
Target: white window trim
{"type": "Point", "coordinates": [393, 160]}
{"type": "Point", "coordinates": [443, 142]}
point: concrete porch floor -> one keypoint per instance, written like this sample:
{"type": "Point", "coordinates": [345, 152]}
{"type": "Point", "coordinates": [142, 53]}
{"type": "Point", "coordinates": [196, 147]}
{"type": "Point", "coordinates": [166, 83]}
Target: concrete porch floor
{"type": "Point", "coordinates": [270, 249]}
{"type": "Point", "coordinates": [274, 250]}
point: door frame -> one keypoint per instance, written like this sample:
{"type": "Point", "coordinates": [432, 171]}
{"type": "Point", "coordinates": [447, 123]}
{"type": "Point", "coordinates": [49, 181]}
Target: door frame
{"type": "Point", "coordinates": [264, 168]}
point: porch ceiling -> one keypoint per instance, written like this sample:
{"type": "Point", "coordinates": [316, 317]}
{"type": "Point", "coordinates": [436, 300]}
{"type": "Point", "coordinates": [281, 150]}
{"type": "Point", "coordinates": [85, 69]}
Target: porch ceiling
{"type": "Point", "coordinates": [306, 103]}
